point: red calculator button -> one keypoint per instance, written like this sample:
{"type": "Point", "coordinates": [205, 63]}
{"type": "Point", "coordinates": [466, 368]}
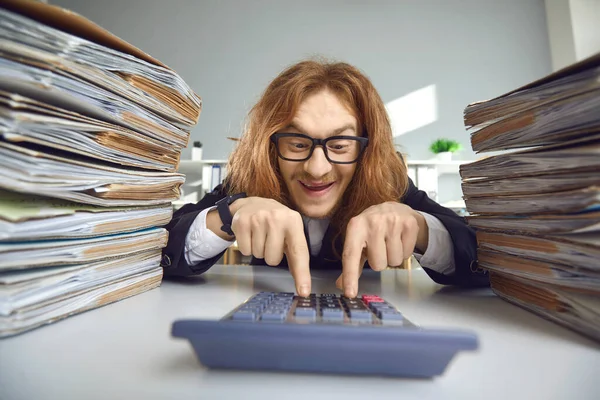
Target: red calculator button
{"type": "Point", "coordinates": [371, 298]}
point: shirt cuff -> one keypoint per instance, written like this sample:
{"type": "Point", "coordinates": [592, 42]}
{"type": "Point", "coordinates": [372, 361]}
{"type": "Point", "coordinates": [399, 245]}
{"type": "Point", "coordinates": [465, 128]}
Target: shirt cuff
{"type": "Point", "coordinates": [201, 243]}
{"type": "Point", "coordinates": [439, 255]}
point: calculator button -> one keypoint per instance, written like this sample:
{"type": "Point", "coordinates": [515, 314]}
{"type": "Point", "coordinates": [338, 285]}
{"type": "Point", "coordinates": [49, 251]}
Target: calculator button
{"type": "Point", "coordinates": [284, 295]}
{"type": "Point", "coordinates": [306, 299]}
{"type": "Point", "coordinates": [258, 301]}
{"type": "Point", "coordinates": [277, 309]}
{"type": "Point", "coordinates": [358, 312]}
{"type": "Point", "coordinates": [361, 317]}
{"type": "Point", "coordinates": [357, 307]}
{"type": "Point", "coordinates": [332, 313]}
{"type": "Point", "coordinates": [273, 316]}
{"type": "Point", "coordinates": [287, 299]}
{"type": "Point", "coordinates": [371, 299]}
{"type": "Point", "coordinates": [305, 312]}
{"type": "Point", "coordinates": [330, 302]}
{"type": "Point", "coordinates": [392, 321]}
{"type": "Point", "coordinates": [245, 315]}
{"type": "Point", "coordinates": [380, 306]}
{"type": "Point", "coordinates": [370, 296]}
{"type": "Point", "coordinates": [280, 304]}
{"type": "Point", "coordinates": [255, 306]}
{"type": "Point", "coordinates": [250, 306]}
{"type": "Point", "coordinates": [390, 315]}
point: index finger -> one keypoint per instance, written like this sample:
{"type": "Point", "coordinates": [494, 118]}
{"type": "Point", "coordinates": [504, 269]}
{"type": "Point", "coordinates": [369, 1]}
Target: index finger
{"type": "Point", "coordinates": [351, 260]}
{"type": "Point", "coordinates": [296, 251]}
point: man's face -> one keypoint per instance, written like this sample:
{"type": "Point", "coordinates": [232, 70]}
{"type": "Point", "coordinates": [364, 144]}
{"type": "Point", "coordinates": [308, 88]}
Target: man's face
{"type": "Point", "coordinates": [316, 186]}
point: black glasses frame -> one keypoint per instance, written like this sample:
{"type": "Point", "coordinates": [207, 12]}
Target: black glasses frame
{"type": "Point", "coordinates": [362, 141]}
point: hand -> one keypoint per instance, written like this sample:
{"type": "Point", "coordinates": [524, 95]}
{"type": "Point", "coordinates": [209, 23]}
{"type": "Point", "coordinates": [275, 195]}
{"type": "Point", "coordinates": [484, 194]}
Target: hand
{"type": "Point", "coordinates": [266, 229]}
{"type": "Point", "coordinates": [385, 235]}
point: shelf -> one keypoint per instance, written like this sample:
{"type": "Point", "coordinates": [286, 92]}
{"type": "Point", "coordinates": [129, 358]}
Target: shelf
{"type": "Point", "coordinates": [442, 167]}
{"type": "Point", "coordinates": [437, 162]}
{"type": "Point", "coordinates": [195, 166]}
{"type": "Point", "coordinates": [201, 162]}
{"type": "Point", "coordinates": [194, 183]}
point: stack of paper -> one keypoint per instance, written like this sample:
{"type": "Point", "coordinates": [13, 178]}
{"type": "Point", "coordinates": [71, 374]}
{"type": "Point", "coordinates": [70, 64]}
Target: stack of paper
{"type": "Point", "coordinates": [91, 133]}
{"type": "Point", "coordinates": [536, 206]}
{"type": "Point", "coordinates": [28, 300]}
{"type": "Point", "coordinates": [24, 120]}
{"type": "Point", "coordinates": [576, 309]}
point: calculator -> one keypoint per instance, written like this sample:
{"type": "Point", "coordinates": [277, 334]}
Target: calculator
{"type": "Point", "coordinates": [322, 333]}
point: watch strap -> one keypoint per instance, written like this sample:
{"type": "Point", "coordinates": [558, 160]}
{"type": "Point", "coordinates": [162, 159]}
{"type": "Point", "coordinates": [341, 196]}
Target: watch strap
{"type": "Point", "coordinates": [225, 212]}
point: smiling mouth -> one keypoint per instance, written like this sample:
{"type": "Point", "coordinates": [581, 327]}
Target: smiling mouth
{"type": "Point", "coordinates": [317, 188]}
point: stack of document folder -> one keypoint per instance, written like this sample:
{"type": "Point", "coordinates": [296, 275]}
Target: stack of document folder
{"type": "Point", "coordinates": [91, 133]}
{"type": "Point", "coordinates": [536, 204]}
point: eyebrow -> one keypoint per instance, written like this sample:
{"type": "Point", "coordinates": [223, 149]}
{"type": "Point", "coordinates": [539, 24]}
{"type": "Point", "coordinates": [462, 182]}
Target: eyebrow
{"type": "Point", "coordinates": [331, 133]}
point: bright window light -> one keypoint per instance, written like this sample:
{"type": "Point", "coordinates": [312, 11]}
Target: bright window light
{"type": "Point", "coordinates": [413, 110]}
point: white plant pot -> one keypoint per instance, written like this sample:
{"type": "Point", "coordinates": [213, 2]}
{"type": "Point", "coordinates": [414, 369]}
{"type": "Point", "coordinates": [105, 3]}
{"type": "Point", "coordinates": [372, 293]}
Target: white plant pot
{"type": "Point", "coordinates": [444, 156]}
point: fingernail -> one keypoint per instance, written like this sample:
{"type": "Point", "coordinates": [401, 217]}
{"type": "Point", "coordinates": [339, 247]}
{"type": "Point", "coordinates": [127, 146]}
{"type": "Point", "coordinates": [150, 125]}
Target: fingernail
{"type": "Point", "coordinates": [350, 291]}
{"type": "Point", "coordinates": [303, 291]}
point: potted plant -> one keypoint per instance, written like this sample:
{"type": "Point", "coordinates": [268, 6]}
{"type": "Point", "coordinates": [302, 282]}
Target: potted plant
{"type": "Point", "coordinates": [443, 148]}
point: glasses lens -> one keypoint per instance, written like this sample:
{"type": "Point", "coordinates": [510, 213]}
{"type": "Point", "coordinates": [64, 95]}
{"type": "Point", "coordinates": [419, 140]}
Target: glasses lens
{"type": "Point", "coordinates": [343, 150]}
{"type": "Point", "coordinates": [294, 148]}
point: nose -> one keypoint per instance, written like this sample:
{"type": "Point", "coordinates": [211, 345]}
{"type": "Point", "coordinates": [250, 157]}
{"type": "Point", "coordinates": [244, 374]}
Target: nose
{"type": "Point", "coordinates": [317, 165]}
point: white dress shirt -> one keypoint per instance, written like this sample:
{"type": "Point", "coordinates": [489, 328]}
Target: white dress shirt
{"type": "Point", "coordinates": [201, 243]}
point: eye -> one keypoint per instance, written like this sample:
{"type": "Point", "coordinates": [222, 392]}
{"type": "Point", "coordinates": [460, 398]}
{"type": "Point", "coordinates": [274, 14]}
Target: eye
{"type": "Point", "coordinates": [339, 146]}
{"type": "Point", "coordinates": [299, 145]}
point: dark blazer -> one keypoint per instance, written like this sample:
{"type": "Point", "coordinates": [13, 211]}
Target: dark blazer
{"type": "Point", "coordinates": [463, 236]}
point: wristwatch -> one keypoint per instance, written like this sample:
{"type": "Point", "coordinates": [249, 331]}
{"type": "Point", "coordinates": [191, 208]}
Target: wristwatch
{"type": "Point", "coordinates": [225, 212]}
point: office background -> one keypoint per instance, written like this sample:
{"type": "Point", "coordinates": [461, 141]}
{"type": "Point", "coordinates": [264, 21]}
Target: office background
{"type": "Point", "coordinates": [428, 59]}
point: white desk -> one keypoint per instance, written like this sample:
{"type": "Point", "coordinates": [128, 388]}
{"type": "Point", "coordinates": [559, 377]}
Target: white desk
{"type": "Point", "coordinates": [124, 350]}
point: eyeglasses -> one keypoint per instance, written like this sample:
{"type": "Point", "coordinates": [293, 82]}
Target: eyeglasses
{"type": "Point", "coordinates": [337, 149]}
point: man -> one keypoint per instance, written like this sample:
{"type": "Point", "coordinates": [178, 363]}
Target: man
{"type": "Point", "coordinates": [316, 183]}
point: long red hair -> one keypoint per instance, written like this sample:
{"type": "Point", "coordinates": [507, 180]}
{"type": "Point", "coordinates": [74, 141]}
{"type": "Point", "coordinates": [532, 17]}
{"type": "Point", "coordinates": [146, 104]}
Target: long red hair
{"type": "Point", "coordinates": [380, 174]}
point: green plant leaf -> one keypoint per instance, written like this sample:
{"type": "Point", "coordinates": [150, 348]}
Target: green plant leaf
{"type": "Point", "coordinates": [442, 145]}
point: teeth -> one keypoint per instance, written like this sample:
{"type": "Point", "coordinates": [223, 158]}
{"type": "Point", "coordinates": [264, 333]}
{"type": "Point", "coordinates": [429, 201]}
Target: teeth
{"type": "Point", "coordinates": [316, 186]}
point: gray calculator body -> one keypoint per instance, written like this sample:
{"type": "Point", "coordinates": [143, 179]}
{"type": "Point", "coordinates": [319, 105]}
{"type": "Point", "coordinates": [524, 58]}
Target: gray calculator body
{"type": "Point", "coordinates": [322, 334]}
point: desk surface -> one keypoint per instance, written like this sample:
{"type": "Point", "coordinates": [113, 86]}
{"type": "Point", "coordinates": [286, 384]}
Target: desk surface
{"type": "Point", "coordinates": [124, 350]}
